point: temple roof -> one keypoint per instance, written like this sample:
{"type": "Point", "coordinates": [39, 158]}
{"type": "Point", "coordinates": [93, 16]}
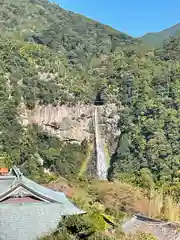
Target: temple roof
{"type": "Point", "coordinates": [15, 179]}
{"type": "Point", "coordinates": [27, 221]}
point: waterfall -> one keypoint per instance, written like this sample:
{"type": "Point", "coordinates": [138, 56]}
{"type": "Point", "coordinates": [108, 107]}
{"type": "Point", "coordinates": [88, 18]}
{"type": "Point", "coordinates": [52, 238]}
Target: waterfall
{"type": "Point", "coordinates": [101, 165]}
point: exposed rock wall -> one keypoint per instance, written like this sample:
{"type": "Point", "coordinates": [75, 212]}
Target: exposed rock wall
{"type": "Point", "coordinates": [74, 123]}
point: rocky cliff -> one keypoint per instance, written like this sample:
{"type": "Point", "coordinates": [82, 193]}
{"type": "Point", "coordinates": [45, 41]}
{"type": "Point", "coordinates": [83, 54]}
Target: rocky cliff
{"type": "Point", "coordinates": [75, 123]}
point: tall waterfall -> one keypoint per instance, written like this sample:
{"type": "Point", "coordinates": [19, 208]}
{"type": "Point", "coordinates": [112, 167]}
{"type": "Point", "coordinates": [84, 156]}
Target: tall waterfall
{"type": "Point", "coordinates": [101, 165]}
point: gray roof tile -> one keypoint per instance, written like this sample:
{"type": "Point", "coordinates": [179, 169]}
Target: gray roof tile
{"type": "Point", "coordinates": [5, 184]}
{"type": "Point", "coordinates": [27, 221]}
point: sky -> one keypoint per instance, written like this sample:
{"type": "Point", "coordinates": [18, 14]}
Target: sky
{"type": "Point", "coordinates": [135, 17]}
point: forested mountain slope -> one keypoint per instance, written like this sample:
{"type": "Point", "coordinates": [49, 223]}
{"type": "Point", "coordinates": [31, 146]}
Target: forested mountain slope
{"type": "Point", "coordinates": [54, 62]}
{"type": "Point", "coordinates": [45, 23]}
{"type": "Point", "coordinates": [52, 57]}
{"type": "Point", "coordinates": [157, 39]}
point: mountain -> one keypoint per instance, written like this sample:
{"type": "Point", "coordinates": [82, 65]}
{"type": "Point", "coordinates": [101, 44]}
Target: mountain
{"type": "Point", "coordinates": [55, 65]}
{"type": "Point", "coordinates": [56, 68]}
{"type": "Point", "coordinates": [71, 42]}
{"type": "Point", "coordinates": [45, 23]}
{"type": "Point", "coordinates": [156, 39]}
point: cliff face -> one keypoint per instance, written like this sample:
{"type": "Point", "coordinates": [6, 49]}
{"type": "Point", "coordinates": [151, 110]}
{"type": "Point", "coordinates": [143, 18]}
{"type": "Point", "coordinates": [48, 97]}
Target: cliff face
{"type": "Point", "coordinates": [75, 123]}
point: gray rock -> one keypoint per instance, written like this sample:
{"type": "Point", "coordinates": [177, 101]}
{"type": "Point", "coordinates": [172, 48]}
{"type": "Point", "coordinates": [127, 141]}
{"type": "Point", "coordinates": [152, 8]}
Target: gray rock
{"type": "Point", "coordinates": [74, 123]}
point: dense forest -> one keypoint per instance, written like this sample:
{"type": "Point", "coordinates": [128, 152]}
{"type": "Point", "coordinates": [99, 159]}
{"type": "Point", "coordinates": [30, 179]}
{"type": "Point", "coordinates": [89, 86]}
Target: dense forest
{"type": "Point", "coordinates": [51, 56]}
{"type": "Point", "coordinates": [156, 39]}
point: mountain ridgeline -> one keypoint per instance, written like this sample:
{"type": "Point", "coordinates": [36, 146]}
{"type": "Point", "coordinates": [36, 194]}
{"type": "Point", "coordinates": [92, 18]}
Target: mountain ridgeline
{"type": "Point", "coordinates": [156, 39]}
{"type": "Point", "coordinates": [53, 57]}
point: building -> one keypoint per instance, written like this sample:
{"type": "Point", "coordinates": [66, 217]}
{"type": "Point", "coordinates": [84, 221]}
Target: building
{"type": "Point", "coordinates": [161, 230]}
{"type": "Point", "coordinates": [29, 210]}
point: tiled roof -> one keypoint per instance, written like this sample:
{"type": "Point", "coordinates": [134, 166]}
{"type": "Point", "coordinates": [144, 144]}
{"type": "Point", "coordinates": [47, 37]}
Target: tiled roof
{"type": "Point", "coordinates": [4, 184]}
{"type": "Point", "coordinates": [43, 191]}
{"type": "Point", "coordinates": [56, 197]}
{"type": "Point", "coordinates": [30, 221]}
{"type": "Point", "coordinates": [27, 221]}
{"type": "Point", "coordinates": [8, 183]}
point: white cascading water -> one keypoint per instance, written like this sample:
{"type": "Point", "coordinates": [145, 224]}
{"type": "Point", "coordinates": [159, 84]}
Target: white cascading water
{"type": "Point", "coordinates": [101, 165]}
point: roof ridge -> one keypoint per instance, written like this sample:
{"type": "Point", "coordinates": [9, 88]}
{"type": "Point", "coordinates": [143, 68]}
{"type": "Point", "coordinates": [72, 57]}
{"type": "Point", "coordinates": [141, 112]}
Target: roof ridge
{"type": "Point", "coordinates": [146, 218]}
{"type": "Point", "coordinates": [17, 172]}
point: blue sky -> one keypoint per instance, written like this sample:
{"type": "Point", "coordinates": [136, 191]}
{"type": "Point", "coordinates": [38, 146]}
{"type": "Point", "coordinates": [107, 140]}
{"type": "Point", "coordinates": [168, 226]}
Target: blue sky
{"type": "Point", "coordinates": [135, 17]}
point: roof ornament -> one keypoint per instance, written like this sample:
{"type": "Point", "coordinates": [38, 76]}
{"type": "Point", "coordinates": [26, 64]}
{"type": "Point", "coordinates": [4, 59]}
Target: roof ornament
{"type": "Point", "coordinates": [17, 172]}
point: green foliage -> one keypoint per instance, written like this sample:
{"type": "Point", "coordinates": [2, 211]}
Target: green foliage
{"type": "Point", "coordinates": [88, 155]}
{"type": "Point", "coordinates": [146, 178]}
{"type": "Point", "coordinates": [149, 121]}
{"type": "Point", "coordinates": [78, 37]}
{"type": "Point", "coordinates": [170, 50]}
{"type": "Point", "coordinates": [157, 39]}
{"type": "Point", "coordinates": [79, 227]}
{"type": "Point", "coordinates": [61, 157]}
{"type": "Point", "coordinates": [140, 236]}
{"type": "Point", "coordinates": [50, 56]}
